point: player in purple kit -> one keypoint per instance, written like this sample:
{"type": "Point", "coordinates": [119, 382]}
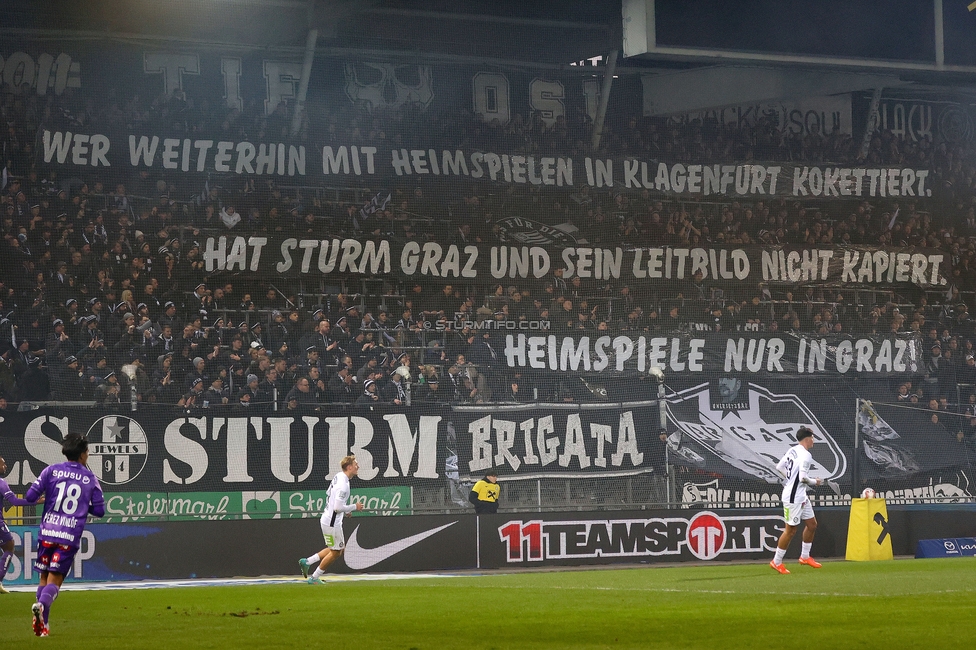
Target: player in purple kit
{"type": "Point", "coordinates": [72, 493]}
{"type": "Point", "coordinates": [6, 539]}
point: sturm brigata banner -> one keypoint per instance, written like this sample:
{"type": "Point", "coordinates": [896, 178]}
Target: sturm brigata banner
{"type": "Point", "coordinates": [156, 462]}
{"type": "Point", "coordinates": [434, 261]}
{"type": "Point", "coordinates": [164, 451]}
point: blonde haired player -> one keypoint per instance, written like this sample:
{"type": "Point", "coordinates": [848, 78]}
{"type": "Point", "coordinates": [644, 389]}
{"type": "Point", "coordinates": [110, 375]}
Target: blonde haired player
{"type": "Point", "coordinates": [331, 521]}
{"type": "Point", "coordinates": [795, 469]}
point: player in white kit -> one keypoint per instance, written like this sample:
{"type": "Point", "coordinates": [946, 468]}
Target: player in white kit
{"type": "Point", "coordinates": [795, 468]}
{"type": "Point", "coordinates": [331, 522]}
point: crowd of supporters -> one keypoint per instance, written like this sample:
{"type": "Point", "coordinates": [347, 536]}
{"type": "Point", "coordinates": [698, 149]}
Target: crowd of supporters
{"type": "Point", "coordinates": [104, 296]}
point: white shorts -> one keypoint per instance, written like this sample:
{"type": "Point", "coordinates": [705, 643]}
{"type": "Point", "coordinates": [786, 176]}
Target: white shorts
{"type": "Point", "coordinates": [795, 512]}
{"type": "Point", "coordinates": [334, 538]}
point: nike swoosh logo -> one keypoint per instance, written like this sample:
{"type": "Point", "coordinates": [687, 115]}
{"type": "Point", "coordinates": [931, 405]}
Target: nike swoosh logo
{"type": "Point", "coordinates": [359, 558]}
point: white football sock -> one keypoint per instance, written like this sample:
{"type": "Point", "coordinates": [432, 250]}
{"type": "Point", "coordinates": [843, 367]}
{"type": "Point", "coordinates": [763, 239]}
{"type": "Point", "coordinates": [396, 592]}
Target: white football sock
{"type": "Point", "coordinates": [805, 551]}
{"type": "Point", "coordinates": [780, 554]}
{"type": "Point", "coordinates": [313, 559]}
{"type": "Point", "coordinates": [318, 573]}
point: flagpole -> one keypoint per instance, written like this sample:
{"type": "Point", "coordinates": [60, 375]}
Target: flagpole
{"type": "Point", "coordinates": [855, 465]}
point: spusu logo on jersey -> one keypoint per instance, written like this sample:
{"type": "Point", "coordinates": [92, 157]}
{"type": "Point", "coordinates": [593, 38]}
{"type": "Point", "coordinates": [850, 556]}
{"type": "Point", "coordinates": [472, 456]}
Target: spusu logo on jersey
{"type": "Point", "coordinates": [705, 536]}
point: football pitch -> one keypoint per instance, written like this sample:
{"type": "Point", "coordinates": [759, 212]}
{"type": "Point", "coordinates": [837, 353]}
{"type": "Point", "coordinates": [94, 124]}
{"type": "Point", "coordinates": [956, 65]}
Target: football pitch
{"type": "Point", "coordinates": [899, 604]}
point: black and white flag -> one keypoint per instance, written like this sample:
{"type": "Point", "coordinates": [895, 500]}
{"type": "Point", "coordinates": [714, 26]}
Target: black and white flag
{"type": "Point", "coordinates": [377, 204]}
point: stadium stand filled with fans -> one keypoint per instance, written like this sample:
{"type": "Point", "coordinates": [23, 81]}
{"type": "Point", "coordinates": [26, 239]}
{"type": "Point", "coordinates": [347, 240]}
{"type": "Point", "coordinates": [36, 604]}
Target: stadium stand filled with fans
{"type": "Point", "coordinates": [105, 298]}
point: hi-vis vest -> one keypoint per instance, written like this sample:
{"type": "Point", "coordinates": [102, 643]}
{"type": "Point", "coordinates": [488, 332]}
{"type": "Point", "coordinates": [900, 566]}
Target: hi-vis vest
{"type": "Point", "coordinates": [486, 491]}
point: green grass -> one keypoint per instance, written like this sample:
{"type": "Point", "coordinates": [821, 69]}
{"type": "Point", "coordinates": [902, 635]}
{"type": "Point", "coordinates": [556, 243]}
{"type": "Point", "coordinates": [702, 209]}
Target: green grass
{"type": "Point", "coordinates": [892, 605]}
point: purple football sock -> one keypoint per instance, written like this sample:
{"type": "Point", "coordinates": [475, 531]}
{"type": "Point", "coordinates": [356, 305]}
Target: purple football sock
{"type": "Point", "coordinates": [48, 595]}
{"type": "Point", "coordinates": [40, 589]}
{"type": "Point", "coordinates": [4, 561]}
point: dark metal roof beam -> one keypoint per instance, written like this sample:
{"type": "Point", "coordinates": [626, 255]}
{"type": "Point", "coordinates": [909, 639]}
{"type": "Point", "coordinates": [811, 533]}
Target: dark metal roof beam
{"type": "Point", "coordinates": [484, 18]}
{"type": "Point", "coordinates": [282, 4]}
{"type": "Point", "coordinates": [296, 50]}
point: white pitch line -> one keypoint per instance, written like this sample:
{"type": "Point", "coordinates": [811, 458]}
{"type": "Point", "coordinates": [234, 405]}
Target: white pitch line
{"type": "Point", "coordinates": [372, 577]}
{"type": "Point", "coordinates": [829, 594]}
{"type": "Point", "coordinates": [224, 582]}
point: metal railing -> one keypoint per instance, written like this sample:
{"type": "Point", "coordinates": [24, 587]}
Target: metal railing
{"type": "Point", "coordinates": [576, 497]}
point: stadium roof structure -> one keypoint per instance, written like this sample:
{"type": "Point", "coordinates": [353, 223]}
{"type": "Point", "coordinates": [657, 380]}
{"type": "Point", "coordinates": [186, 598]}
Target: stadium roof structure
{"type": "Point", "coordinates": [542, 32]}
{"type": "Point", "coordinates": [707, 54]}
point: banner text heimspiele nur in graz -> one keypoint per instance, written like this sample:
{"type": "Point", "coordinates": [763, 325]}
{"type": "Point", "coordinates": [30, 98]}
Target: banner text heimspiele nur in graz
{"type": "Point", "coordinates": [707, 354]}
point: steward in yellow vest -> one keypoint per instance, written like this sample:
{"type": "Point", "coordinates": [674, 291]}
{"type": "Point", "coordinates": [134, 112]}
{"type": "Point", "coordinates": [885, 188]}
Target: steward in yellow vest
{"type": "Point", "coordinates": [484, 494]}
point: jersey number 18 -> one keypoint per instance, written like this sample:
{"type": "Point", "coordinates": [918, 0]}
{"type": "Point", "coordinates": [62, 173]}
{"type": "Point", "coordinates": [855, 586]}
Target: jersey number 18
{"type": "Point", "coordinates": [67, 501]}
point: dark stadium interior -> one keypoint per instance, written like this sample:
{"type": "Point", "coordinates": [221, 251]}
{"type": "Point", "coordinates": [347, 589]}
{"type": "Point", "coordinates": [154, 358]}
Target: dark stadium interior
{"type": "Point", "coordinates": [110, 296]}
{"type": "Point", "coordinates": [488, 323]}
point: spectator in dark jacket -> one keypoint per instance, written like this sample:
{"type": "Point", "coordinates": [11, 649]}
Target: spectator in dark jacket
{"type": "Point", "coordinates": [34, 385]}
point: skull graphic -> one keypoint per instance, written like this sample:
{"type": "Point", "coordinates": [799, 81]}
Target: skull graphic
{"type": "Point", "coordinates": [387, 85]}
